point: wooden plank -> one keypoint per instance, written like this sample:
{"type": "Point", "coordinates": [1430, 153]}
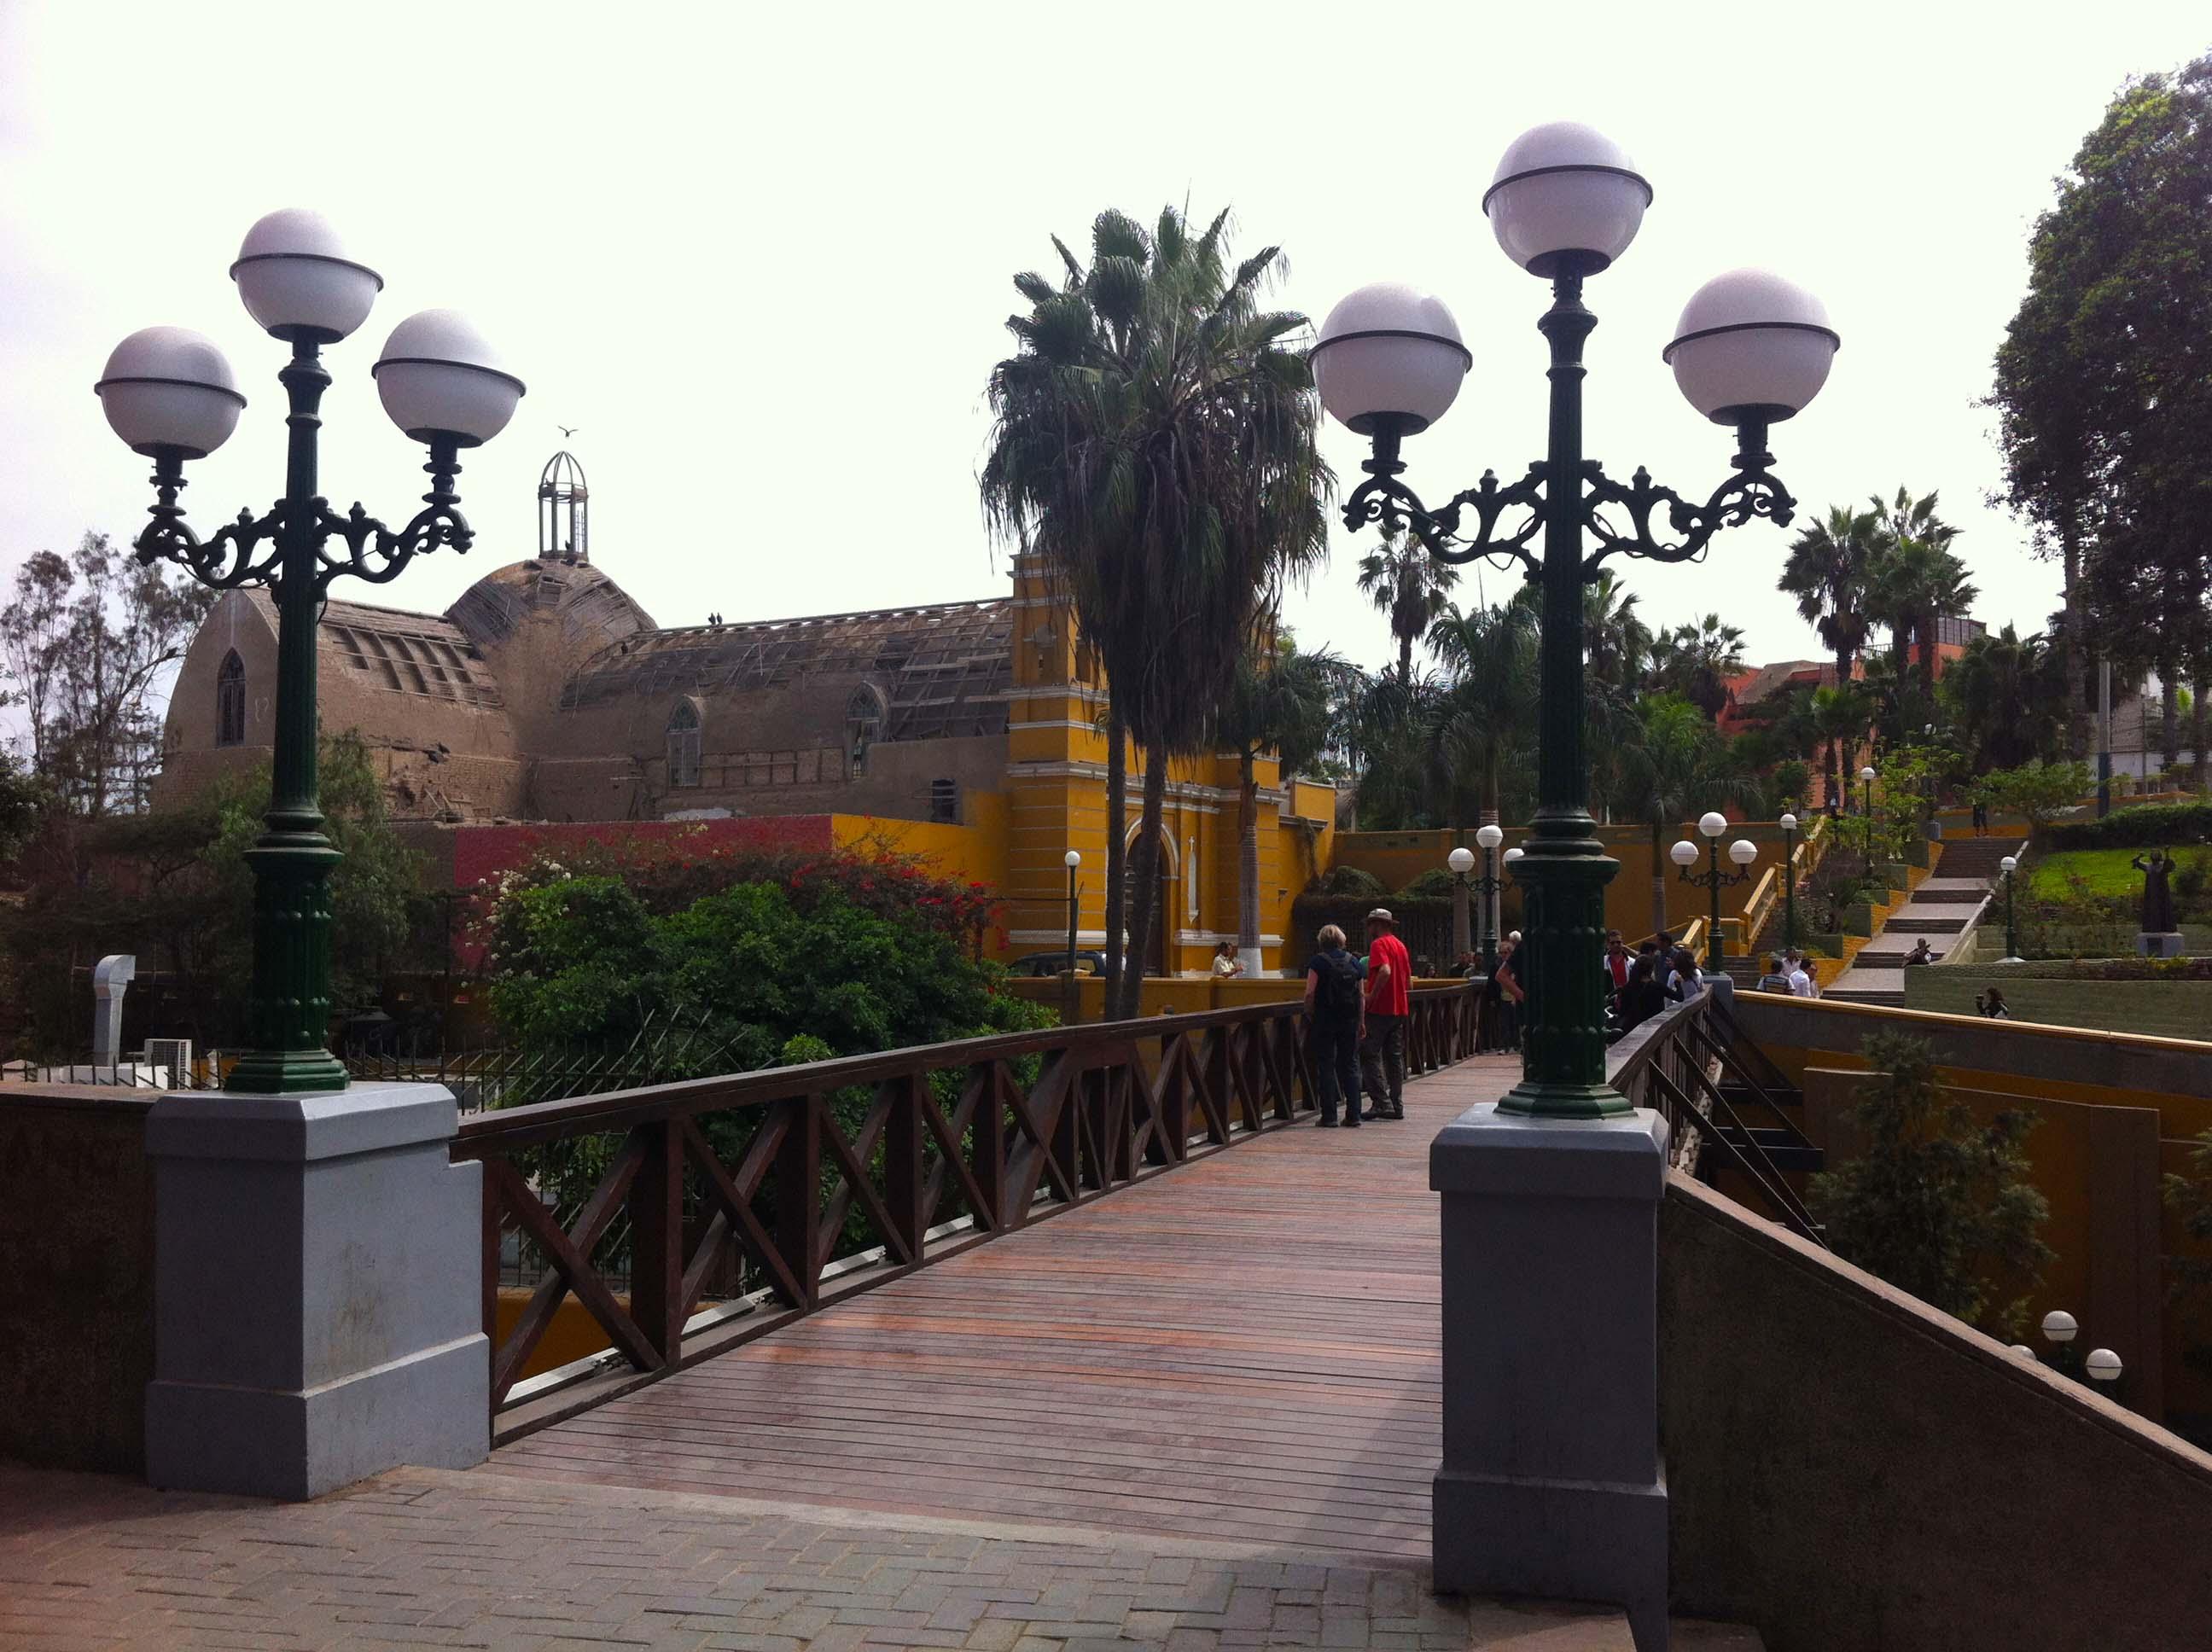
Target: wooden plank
{"type": "Point", "coordinates": [1184, 1357]}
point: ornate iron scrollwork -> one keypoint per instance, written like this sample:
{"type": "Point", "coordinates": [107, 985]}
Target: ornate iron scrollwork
{"type": "Point", "coordinates": [1752, 492]}
{"type": "Point", "coordinates": [1383, 499]}
{"type": "Point", "coordinates": [373, 552]}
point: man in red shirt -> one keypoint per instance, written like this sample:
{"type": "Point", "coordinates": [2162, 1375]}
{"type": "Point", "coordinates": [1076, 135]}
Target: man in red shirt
{"type": "Point", "coordinates": [1382, 1056]}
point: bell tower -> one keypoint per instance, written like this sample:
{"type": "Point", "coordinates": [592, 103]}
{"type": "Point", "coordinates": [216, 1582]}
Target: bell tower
{"type": "Point", "coordinates": [564, 510]}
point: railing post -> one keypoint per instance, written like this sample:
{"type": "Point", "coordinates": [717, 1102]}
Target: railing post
{"type": "Point", "coordinates": [902, 1131]}
{"type": "Point", "coordinates": [988, 1134]}
{"type": "Point", "coordinates": [492, 1234]}
{"type": "Point", "coordinates": [799, 1195]}
{"type": "Point", "coordinates": [656, 1228]}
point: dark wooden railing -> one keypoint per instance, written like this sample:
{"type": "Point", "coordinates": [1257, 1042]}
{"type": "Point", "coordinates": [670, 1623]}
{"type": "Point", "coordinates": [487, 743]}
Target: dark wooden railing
{"type": "Point", "coordinates": [778, 1190]}
{"type": "Point", "coordinates": [1674, 1064]}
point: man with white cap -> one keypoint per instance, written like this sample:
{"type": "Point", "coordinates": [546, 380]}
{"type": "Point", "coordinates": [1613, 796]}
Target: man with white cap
{"type": "Point", "coordinates": [1389, 978]}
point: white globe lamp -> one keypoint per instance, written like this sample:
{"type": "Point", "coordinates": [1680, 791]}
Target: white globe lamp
{"type": "Point", "coordinates": [1750, 348]}
{"type": "Point", "coordinates": [1388, 358]}
{"type": "Point", "coordinates": [296, 278]}
{"type": "Point", "coordinates": [1566, 200]}
{"type": "Point", "coordinates": [168, 392]}
{"type": "Point", "coordinates": [439, 379]}
{"type": "Point", "coordinates": [1490, 837]}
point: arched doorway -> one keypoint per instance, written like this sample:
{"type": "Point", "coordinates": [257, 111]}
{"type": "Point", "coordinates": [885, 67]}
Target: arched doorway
{"type": "Point", "coordinates": [1166, 910]}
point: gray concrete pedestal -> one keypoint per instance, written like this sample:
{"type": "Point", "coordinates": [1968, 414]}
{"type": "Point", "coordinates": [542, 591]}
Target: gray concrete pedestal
{"type": "Point", "coordinates": [2154, 944]}
{"type": "Point", "coordinates": [1552, 1483]}
{"type": "Point", "coordinates": [317, 1296]}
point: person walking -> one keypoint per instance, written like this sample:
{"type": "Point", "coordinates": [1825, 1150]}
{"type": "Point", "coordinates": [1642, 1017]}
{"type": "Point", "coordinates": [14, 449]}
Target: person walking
{"type": "Point", "coordinates": [1383, 1052]}
{"type": "Point", "coordinates": [1334, 1011]}
{"type": "Point", "coordinates": [1992, 1005]}
{"type": "Point", "coordinates": [1511, 994]}
{"type": "Point", "coordinates": [1777, 979]}
{"type": "Point", "coordinates": [1617, 962]}
{"type": "Point", "coordinates": [1801, 984]}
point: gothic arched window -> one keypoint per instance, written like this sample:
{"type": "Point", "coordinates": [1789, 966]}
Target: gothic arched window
{"type": "Point", "coordinates": [864, 727]}
{"type": "Point", "coordinates": [683, 744]}
{"type": "Point", "coordinates": [230, 701]}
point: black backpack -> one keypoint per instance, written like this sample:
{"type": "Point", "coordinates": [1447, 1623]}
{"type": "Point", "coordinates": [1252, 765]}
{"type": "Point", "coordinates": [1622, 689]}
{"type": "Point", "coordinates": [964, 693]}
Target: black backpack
{"type": "Point", "coordinates": [1339, 997]}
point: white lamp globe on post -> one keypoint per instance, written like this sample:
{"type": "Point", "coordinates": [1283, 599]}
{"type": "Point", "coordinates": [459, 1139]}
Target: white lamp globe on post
{"type": "Point", "coordinates": [1751, 348]}
{"type": "Point", "coordinates": [2060, 1326]}
{"type": "Point", "coordinates": [297, 279]}
{"type": "Point", "coordinates": [1566, 200]}
{"type": "Point", "coordinates": [1683, 853]}
{"type": "Point", "coordinates": [2008, 865]}
{"type": "Point", "coordinates": [1713, 824]}
{"type": "Point", "coordinates": [438, 378]}
{"type": "Point", "coordinates": [1788, 823]}
{"type": "Point", "coordinates": [1389, 360]}
{"type": "Point", "coordinates": [1461, 861]}
{"type": "Point", "coordinates": [1490, 837]}
{"type": "Point", "coordinates": [1071, 859]}
{"type": "Point", "coordinates": [169, 393]}
{"type": "Point", "coordinates": [1512, 855]}
{"type": "Point", "coordinates": [2103, 1365]}
{"type": "Point", "coordinates": [1743, 852]}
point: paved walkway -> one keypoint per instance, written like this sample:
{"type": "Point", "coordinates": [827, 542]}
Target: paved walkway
{"type": "Point", "coordinates": [1198, 1413]}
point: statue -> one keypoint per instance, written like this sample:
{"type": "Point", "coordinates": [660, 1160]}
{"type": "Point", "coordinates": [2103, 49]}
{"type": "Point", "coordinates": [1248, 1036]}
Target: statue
{"type": "Point", "coordinates": [2157, 897]}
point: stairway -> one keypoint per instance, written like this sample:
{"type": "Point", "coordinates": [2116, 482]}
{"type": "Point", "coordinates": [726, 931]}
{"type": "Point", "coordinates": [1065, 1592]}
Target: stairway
{"type": "Point", "coordinates": [1941, 907]}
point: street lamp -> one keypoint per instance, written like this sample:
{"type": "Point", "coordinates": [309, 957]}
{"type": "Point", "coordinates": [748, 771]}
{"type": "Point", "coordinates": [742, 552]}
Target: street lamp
{"type": "Point", "coordinates": [1743, 852]}
{"type": "Point", "coordinates": [2103, 1365]}
{"type": "Point", "coordinates": [1461, 861]}
{"type": "Point", "coordinates": [1866, 808]}
{"type": "Point", "coordinates": [169, 394]}
{"type": "Point", "coordinates": [1071, 859]}
{"type": "Point", "coordinates": [1789, 824]}
{"type": "Point", "coordinates": [2008, 865]}
{"type": "Point", "coordinates": [1751, 350]}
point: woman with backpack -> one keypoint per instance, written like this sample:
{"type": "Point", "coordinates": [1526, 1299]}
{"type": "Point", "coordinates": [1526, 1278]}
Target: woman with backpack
{"type": "Point", "coordinates": [1334, 1013]}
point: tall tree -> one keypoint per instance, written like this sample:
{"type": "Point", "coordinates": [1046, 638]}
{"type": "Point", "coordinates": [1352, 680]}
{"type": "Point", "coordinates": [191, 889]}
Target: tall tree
{"type": "Point", "coordinates": [1411, 588]}
{"type": "Point", "coordinates": [1674, 768]}
{"type": "Point", "coordinates": [1916, 582]}
{"type": "Point", "coordinates": [1279, 704]}
{"type": "Point", "coordinates": [1154, 440]}
{"type": "Point", "coordinates": [2004, 697]}
{"type": "Point", "coordinates": [1837, 718]}
{"type": "Point", "coordinates": [1696, 659]}
{"type": "Point", "coordinates": [1485, 721]}
{"type": "Point", "coordinates": [1827, 571]}
{"type": "Point", "coordinates": [84, 646]}
{"type": "Point", "coordinates": [2103, 390]}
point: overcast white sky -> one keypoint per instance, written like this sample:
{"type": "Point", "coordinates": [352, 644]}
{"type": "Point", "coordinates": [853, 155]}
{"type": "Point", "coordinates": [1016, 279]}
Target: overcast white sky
{"type": "Point", "coordinates": [759, 255]}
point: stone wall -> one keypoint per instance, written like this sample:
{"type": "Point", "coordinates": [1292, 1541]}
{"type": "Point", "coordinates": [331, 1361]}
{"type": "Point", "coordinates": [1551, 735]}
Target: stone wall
{"type": "Point", "coordinates": [1850, 1470]}
{"type": "Point", "coordinates": [76, 1276]}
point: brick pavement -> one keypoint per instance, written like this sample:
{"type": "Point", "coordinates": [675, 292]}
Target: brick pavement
{"type": "Point", "coordinates": [427, 1558]}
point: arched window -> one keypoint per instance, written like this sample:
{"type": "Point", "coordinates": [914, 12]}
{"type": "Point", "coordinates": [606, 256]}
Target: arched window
{"type": "Point", "coordinates": [230, 701]}
{"type": "Point", "coordinates": [864, 727]}
{"type": "Point", "coordinates": [683, 744]}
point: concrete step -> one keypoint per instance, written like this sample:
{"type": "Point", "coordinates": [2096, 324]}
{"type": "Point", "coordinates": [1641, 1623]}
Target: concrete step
{"type": "Point", "coordinates": [1970, 896]}
{"type": "Point", "coordinates": [1909, 922]}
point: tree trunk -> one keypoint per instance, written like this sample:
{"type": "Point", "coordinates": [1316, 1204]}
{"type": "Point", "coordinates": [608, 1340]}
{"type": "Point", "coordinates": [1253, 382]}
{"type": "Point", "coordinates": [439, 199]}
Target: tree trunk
{"type": "Point", "coordinates": [2169, 712]}
{"type": "Point", "coordinates": [2077, 660]}
{"type": "Point", "coordinates": [1145, 886]}
{"type": "Point", "coordinates": [2196, 727]}
{"type": "Point", "coordinates": [1926, 629]}
{"type": "Point", "coordinates": [1247, 865]}
{"type": "Point", "coordinates": [1406, 661]}
{"type": "Point", "coordinates": [1117, 854]}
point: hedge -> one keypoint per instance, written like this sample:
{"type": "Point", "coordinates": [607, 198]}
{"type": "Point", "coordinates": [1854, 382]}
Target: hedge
{"type": "Point", "coordinates": [2143, 826]}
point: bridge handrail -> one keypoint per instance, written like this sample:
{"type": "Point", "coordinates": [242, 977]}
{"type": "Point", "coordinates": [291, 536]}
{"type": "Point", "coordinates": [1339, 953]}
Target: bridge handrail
{"type": "Point", "coordinates": [1109, 1104]}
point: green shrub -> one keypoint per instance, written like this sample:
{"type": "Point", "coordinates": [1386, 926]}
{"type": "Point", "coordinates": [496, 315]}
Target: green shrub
{"type": "Point", "coordinates": [1434, 884]}
{"type": "Point", "coordinates": [2143, 825]}
{"type": "Point", "coordinates": [1348, 880]}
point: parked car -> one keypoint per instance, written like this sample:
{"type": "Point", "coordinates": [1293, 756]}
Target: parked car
{"type": "Point", "coordinates": [1051, 963]}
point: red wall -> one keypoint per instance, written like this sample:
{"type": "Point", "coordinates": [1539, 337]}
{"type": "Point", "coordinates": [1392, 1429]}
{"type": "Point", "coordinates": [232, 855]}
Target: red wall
{"type": "Point", "coordinates": [484, 852]}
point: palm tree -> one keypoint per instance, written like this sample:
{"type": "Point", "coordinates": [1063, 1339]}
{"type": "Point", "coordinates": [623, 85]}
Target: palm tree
{"type": "Point", "coordinates": [1837, 718]}
{"type": "Point", "coordinates": [1916, 582]}
{"type": "Point", "coordinates": [1675, 766]}
{"type": "Point", "coordinates": [1827, 571]}
{"type": "Point", "coordinates": [1696, 660]}
{"type": "Point", "coordinates": [1280, 702]}
{"type": "Point", "coordinates": [1153, 441]}
{"type": "Point", "coordinates": [2005, 696]}
{"type": "Point", "coordinates": [1485, 719]}
{"type": "Point", "coordinates": [1409, 586]}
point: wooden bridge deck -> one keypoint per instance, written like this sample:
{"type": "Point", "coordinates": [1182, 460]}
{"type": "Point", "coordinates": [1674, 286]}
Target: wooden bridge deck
{"type": "Point", "coordinates": [1245, 1350]}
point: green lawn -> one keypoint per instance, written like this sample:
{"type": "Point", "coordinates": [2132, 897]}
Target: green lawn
{"type": "Point", "coordinates": [2107, 870]}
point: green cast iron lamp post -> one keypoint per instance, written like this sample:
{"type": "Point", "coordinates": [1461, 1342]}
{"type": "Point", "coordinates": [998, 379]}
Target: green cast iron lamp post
{"type": "Point", "coordinates": [1866, 810]}
{"type": "Point", "coordinates": [2008, 865]}
{"type": "Point", "coordinates": [1789, 824]}
{"type": "Point", "coordinates": [1751, 350]}
{"type": "Point", "coordinates": [1073, 859]}
{"type": "Point", "coordinates": [1743, 852]}
{"type": "Point", "coordinates": [169, 394]}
